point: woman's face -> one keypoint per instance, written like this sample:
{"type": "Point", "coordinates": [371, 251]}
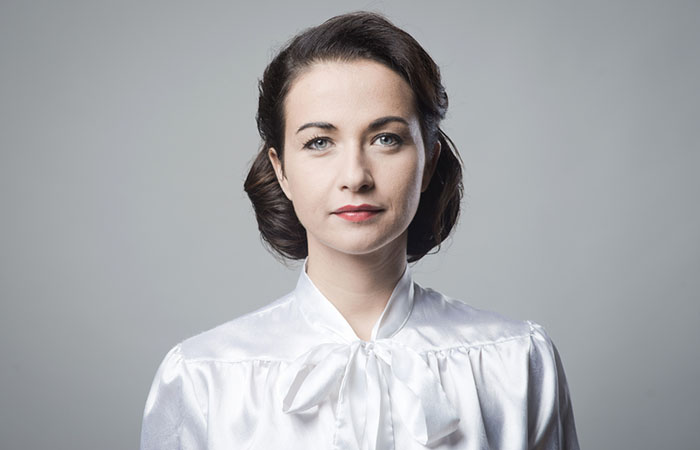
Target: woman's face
{"type": "Point", "coordinates": [352, 140]}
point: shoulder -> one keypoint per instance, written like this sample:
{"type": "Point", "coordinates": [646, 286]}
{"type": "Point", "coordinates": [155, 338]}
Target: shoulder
{"type": "Point", "coordinates": [257, 335]}
{"type": "Point", "coordinates": [449, 322]}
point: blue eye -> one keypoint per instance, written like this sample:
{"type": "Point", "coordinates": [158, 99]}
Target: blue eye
{"type": "Point", "coordinates": [389, 140]}
{"type": "Point", "coordinates": [322, 143]}
{"type": "Point", "coordinates": [317, 143]}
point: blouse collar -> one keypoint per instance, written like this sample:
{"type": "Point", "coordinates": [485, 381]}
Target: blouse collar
{"type": "Point", "coordinates": [322, 313]}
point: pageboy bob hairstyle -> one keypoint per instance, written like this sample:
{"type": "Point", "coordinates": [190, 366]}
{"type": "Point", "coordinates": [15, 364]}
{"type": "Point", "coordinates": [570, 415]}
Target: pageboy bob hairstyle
{"type": "Point", "coordinates": [346, 38]}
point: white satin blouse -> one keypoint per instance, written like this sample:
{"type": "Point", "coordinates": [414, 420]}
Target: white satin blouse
{"type": "Point", "coordinates": [293, 375]}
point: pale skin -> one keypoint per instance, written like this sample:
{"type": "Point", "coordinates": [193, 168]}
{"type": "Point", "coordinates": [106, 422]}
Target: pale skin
{"type": "Point", "coordinates": [352, 136]}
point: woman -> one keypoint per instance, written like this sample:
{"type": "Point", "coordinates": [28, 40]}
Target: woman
{"type": "Point", "coordinates": [356, 179]}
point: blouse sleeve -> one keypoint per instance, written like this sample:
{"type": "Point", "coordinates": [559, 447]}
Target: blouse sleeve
{"type": "Point", "coordinates": [550, 416]}
{"type": "Point", "coordinates": [173, 418]}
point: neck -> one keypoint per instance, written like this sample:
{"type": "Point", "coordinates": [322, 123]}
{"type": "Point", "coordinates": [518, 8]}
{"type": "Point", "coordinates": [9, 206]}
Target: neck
{"type": "Point", "coordinates": [359, 286]}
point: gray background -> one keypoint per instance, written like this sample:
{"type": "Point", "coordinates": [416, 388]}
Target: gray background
{"type": "Point", "coordinates": [126, 129]}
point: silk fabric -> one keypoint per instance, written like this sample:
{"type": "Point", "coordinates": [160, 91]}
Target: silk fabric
{"type": "Point", "coordinates": [435, 373]}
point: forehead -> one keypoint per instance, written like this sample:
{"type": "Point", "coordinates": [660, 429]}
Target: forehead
{"type": "Point", "coordinates": [348, 92]}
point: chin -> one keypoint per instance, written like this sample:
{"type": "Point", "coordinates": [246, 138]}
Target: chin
{"type": "Point", "coordinates": [361, 246]}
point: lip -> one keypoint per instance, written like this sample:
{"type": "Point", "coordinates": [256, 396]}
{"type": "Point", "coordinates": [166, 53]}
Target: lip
{"type": "Point", "coordinates": [357, 213]}
{"type": "Point", "coordinates": [356, 208]}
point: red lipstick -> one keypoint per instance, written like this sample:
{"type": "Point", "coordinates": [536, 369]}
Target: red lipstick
{"type": "Point", "coordinates": [357, 213]}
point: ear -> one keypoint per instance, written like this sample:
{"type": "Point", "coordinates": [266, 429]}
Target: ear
{"type": "Point", "coordinates": [430, 166]}
{"type": "Point", "coordinates": [279, 172]}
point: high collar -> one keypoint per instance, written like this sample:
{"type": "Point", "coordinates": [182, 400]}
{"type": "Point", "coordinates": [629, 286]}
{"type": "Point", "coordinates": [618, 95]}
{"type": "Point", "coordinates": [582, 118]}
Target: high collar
{"type": "Point", "coordinates": [320, 312]}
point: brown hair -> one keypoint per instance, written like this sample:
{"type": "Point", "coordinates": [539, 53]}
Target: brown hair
{"type": "Point", "coordinates": [348, 37]}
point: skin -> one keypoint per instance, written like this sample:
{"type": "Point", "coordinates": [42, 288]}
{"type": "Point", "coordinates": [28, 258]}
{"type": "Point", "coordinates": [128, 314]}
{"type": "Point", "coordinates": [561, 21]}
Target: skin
{"type": "Point", "coordinates": [356, 265]}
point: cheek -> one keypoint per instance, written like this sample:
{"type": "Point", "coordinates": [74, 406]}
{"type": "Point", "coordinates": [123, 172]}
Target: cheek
{"type": "Point", "coordinates": [294, 172]}
{"type": "Point", "coordinates": [307, 188]}
{"type": "Point", "coordinates": [406, 180]}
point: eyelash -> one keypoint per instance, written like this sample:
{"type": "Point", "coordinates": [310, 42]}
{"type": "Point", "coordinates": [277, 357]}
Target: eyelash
{"type": "Point", "coordinates": [397, 140]}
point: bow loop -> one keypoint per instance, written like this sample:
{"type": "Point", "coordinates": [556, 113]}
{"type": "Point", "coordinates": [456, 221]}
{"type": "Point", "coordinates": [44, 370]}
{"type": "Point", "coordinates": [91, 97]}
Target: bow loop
{"type": "Point", "coordinates": [312, 376]}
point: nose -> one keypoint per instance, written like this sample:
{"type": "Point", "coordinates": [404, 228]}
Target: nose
{"type": "Point", "coordinates": [355, 172]}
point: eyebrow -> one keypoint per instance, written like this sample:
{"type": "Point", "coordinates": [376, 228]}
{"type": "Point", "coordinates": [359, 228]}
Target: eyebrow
{"type": "Point", "coordinates": [378, 123]}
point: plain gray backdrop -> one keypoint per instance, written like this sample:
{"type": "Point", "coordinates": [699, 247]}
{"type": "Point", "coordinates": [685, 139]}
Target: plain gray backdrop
{"type": "Point", "coordinates": [127, 128]}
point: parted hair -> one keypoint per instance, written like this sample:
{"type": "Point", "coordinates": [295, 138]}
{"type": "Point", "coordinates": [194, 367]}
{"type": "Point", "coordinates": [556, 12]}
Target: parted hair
{"type": "Point", "coordinates": [349, 37]}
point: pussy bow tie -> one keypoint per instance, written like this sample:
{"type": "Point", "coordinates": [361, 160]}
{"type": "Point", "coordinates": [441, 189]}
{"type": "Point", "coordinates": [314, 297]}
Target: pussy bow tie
{"type": "Point", "coordinates": [361, 375]}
